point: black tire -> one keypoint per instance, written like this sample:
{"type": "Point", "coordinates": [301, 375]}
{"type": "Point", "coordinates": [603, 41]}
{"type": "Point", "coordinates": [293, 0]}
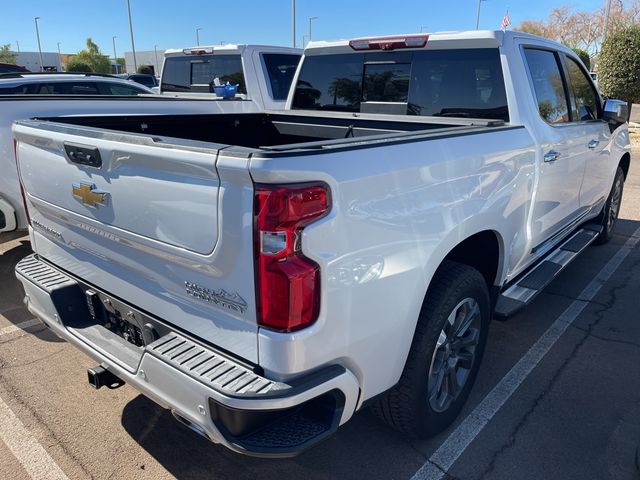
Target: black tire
{"type": "Point", "coordinates": [609, 215]}
{"type": "Point", "coordinates": [409, 407]}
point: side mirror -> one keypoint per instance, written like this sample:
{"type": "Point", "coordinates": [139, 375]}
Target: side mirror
{"type": "Point", "coordinates": [616, 112]}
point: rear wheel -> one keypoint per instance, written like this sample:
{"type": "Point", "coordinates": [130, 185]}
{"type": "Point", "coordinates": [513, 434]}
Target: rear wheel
{"type": "Point", "coordinates": [609, 215]}
{"type": "Point", "coordinates": [445, 354]}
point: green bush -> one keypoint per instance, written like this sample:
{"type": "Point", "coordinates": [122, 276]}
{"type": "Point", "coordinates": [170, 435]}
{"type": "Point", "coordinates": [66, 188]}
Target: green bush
{"type": "Point", "coordinates": [145, 69]}
{"type": "Point", "coordinates": [619, 65]}
{"type": "Point", "coordinates": [584, 56]}
{"type": "Point", "coordinates": [75, 65]}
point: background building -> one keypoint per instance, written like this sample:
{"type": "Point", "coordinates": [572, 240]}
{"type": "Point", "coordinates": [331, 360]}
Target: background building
{"type": "Point", "coordinates": [31, 61]}
{"type": "Point", "coordinates": [148, 58]}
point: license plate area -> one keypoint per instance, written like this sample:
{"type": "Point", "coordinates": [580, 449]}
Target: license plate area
{"type": "Point", "coordinates": [121, 319]}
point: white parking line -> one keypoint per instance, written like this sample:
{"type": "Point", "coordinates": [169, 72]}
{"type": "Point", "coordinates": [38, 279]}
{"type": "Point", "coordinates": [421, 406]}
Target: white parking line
{"type": "Point", "coordinates": [19, 326]}
{"type": "Point", "coordinates": [457, 442]}
{"type": "Point", "coordinates": [31, 455]}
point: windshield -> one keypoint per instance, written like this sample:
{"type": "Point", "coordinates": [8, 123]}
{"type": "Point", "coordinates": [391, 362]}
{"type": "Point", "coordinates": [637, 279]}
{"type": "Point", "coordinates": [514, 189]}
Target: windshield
{"type": "Point", "coordinates": [197, 73]}
{"type": "Point", "coordinates": [460, 83]}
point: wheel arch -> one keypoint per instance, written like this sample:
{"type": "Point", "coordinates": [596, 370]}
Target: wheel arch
{"type": "Point", "coordinates": [625, 163]}
{"type": "Point", "coordinates": [484, 251]}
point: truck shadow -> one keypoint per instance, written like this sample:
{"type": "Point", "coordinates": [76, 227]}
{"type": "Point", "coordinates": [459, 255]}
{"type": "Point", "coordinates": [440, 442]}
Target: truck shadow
{"type": "Point", "coordinates": [11, 292]}
{"type": "Point", "coordinates": [362, 448]}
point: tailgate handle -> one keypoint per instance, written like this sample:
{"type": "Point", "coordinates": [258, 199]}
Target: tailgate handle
{"type": "Point", "coordinates": [83, 154]}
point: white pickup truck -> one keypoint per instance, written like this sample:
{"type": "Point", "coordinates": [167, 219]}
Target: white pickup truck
{"type": "Point", "coordinates": [267, 275]}
{"type": "Point", "coordinates": [263, 73]}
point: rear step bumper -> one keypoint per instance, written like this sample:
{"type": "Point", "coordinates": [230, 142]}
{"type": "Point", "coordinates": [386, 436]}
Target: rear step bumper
{"type": "Point", "coordinates": [213, 394]}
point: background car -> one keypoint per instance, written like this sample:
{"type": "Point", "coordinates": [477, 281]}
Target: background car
{"type": "Point", "coordinates": [141, 78]}
{"type": "Point", "coordinates": [68, 84]}
{"type": "Point", "coordinates": [11, 68]}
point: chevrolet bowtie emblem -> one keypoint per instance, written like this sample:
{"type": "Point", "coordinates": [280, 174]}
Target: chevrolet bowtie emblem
{"type": "Point", "coordinates": [89, 194]}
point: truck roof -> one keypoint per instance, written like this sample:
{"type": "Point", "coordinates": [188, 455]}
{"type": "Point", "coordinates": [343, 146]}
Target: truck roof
{"type": "Point", "coordinates": [232, 48]}
{"type": "Point", "coordinates": [440, 40]}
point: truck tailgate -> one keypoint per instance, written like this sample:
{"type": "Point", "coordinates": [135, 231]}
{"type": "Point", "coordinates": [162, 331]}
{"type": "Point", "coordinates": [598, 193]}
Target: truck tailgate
{"type": "Point", "coordinates": [146, 214]}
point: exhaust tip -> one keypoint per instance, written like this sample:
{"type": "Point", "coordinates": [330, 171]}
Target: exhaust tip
{"type": "Point", "coordinates": [189, 424]}
{"type": "Point", "coordinates": [101, 377]}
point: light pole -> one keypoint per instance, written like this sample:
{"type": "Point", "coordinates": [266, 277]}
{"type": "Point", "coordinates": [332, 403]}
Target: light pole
{"type": "Point", "coordinates": [155, 51]}
{"type": "Point", "coordinates": [606, 20]}
{"type": "Point", "coordinates": [310, 20]}
{"type": "Point", "coordinates": [478, 17]}
{"type": "Point", "coordinates": [133, 45]}
{"type": "Point", "coordinates": [422, 27]}
{"type": "Point", "coordinates": [39, 47]}
{"type": "Point", "coordinates": [59, 56]}
{"type": "Point", "coordinates": [115, 56]}
{"type": "Point", "coordinates": [18, 45]}
{"type": "Point", "coordinates": [293, 22]}
{"type": "Point", "coordinates": [304, 40]}
{"type": "Point", "coordinates": [198, 36]}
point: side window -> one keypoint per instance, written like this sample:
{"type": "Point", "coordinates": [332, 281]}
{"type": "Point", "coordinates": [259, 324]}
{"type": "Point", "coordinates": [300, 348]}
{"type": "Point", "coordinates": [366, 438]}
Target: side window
{"type": "Point", "coordinates": [280, 68]}
{"type": "Point", "coordinates": [584, 101]}
{"type": "Point", "coordinates": [548, 85]}
{"type": "Point", "coordinates": [118, 89]}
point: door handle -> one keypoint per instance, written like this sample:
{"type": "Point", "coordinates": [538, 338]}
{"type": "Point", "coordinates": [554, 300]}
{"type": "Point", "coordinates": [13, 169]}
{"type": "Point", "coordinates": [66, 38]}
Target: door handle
{"type": "Point", "coordinates": [593, 144]}
{"type": "Point", "coordinates": [551, 156]}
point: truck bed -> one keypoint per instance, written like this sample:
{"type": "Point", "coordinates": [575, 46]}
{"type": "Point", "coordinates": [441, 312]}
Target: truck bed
{"type": "Point", "coordinates": [278, 131]}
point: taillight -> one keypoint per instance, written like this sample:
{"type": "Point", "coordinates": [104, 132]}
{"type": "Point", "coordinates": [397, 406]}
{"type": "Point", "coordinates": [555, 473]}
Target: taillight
{"type": "Point", "coordinates": [389, 43]}
{"type": "Point", "coordinates": [24, 197]}
{"type": "Point", "coordinates": [287, 282]}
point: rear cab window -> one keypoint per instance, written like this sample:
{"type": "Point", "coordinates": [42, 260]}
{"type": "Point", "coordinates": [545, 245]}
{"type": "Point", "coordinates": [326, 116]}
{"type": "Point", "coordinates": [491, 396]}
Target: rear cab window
{"type": "Point", "coordinates": [196, 73]}
{"type": "Point", "coordinates": [279, 69]}
{"type": "Point", "coordinates": [456, 83]}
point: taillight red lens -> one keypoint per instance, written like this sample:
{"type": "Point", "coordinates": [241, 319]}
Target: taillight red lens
{"type": "Point", "coordinates": [287, 282]}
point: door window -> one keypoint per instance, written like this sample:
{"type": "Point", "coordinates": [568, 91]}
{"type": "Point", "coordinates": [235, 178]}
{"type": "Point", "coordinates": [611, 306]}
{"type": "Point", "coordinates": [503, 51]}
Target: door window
{"type": "Point", "coordinates": [585, 101]}
{"type": "Point", "coordinates": [548, 85]}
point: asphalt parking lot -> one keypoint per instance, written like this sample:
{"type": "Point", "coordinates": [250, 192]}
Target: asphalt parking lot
{"type": "Point", "coordinates": [558, 396]}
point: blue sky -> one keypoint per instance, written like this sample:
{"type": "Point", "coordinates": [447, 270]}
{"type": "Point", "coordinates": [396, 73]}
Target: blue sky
{"type": "Point", "coordinates": [172, 23]}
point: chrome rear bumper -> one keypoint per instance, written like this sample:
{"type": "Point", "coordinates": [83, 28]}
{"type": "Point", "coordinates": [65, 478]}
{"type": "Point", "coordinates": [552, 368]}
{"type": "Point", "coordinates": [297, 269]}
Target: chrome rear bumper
{"type": "Point", "coordinates": [218, 396]}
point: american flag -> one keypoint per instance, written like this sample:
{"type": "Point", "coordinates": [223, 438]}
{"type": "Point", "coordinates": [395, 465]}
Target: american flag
{"type": "Point", "coordinates": [506, 21]}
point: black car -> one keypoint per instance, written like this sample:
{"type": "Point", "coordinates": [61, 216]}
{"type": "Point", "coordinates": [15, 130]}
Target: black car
{"type": "Point", "coordinates": [141, 78]}
{"type": "Point", "coordinates": [10, 68]}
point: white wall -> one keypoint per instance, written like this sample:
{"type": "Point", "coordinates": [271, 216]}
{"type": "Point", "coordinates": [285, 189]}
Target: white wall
{"type": "Point", "coordinates": [144, 58]}
{"type": "Point", "coordinates": [31, 60]}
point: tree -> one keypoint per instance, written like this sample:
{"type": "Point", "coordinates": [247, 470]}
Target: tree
{"type": "Point", "coordinates": [93, 58]}
{"type": "Point", "coordinates": [536, 27]}
{"type": "Point", "coordinates": [77, 65]}
{"type": "Point", "coordinates": [584, 56]}
{"type": "Point", "coordinates": [619, 69]}
{"type": "Point", "coordinates": [6, 55]}
{"type": "Point", "coordinates": [145, 69]}
{"type": "Point", "coordinates": [583, 29]}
